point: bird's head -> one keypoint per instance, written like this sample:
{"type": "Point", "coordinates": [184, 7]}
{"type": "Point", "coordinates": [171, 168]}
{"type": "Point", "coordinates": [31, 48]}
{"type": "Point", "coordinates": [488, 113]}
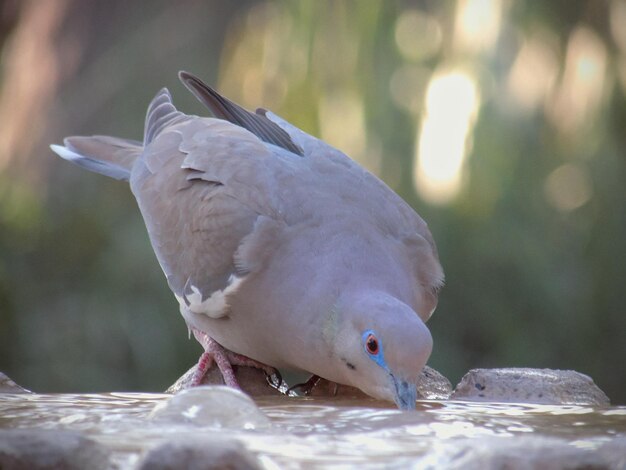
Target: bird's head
{"type": "Point", "coordinates": [381, 345]}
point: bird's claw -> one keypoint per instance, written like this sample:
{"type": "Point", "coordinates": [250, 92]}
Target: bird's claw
{"type": "Point", "coordinates": [305, 388]}
{"type": "Point", "coordinates": [275, 380]}
{"type": "Point", "coordinates": [225, 361]}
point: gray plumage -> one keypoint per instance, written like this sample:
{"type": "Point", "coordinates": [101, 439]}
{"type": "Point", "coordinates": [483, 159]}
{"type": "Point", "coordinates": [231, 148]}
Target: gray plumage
{"type": "Point", "coordinates": [272, 240]}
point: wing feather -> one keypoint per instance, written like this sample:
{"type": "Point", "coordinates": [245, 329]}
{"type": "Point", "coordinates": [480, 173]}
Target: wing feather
{"type": "Point", "coordinates": [223, 108]}
{"type": "Point", "coordinates": [204, 184]}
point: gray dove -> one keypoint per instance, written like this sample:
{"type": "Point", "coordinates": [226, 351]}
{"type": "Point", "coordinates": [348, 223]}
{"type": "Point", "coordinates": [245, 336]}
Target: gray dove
{"type": "Point", "coordinates": [281, 251]}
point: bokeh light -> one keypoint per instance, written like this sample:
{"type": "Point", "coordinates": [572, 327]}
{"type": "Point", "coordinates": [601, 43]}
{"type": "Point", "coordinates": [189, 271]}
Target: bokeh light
{"type": "Point", "coordinates": [477, 24]}
{"type": "Point", "coordinates": [535, 70]}
{"type": "Point", "coordinates": [452, 102]}
{"type": "Point", "coordinates": [581, 87]}
{"type": "Point", "coordinates": [418, 35]}
{"type": "Point", "coordinates": [568, 187]}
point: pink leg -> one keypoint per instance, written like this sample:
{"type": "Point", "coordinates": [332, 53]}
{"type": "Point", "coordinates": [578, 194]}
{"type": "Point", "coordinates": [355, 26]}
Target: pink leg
{"type": "Point", "coordinates": [204, 364]}
{"type": "Point", "coordinates": [224, 359]}
{"type": "Point", "coordinates": [221, 359]}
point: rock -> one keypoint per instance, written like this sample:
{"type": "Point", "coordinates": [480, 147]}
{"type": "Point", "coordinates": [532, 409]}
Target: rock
{"type": "Point", "coordinates": [431, 385]}
{"type": "Point", "coordinates": [523, 385]}
{"type": "Point", "coordinates": [8, 386]}
{"type": "Point", "coordinates": [36, 449]}
{"type": "Point", "coordinates": [209, 453]}
{"type": "Point", "coordinates": [524, 453]}
{"type": "Point", "coordinates": [252, 381]}
{"type": "Point", "coordinates": [212, 405]}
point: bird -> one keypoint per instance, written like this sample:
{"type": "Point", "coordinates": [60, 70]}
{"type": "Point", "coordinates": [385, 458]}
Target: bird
{"type": "Point", "coordinates": [282, 251]}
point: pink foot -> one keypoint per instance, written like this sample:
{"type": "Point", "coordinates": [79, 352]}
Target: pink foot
{"type": "Point", "coordinates": [224, 359]}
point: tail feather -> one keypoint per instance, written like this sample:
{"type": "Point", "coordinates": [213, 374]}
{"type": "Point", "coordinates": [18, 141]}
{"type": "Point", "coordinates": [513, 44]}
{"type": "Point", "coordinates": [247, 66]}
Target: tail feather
{"type": "Point", "coordinates": [109, 156]}
{"type": "Point", "coordinates": [115, 157]}
{"type": "Point", "coordinates": [161, 114]}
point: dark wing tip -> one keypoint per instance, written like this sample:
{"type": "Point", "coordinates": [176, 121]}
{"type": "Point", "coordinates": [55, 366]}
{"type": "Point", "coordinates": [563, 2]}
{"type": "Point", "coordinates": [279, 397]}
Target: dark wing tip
{"type": "Point", "coordinates": [182, 75]}
{"type": "Point", "coordinates": [219, 106]}
{"type": "Point", "coordinates": [223, 108]}
{"type": "Point", "coordinates": [189, 80]}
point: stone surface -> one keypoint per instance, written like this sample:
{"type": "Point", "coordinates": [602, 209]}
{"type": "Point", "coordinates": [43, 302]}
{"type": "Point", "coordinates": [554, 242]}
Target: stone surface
{"type": "Point", "coordinates": [206, 453]}
{"type": "Point", "coordinates": [431, 385]}
{"type": "Point", "coordinates": [523, 385]}
{"type": "Point", "coordinates": [252, 381]}
{"type": "Point", "coordinates": [36, 449]}
{"type": "Point", "coordinates": [8, 386]}
{"type": "Point", "coordinates": [212, 405]}
{"type": "Point", "coordinates": [524, 453]}
{"type": "Point", "coordinates": [520, 385]}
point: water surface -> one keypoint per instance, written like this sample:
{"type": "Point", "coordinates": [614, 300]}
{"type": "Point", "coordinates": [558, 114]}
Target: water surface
{"type": "Point", "coordinates": [310, 433]}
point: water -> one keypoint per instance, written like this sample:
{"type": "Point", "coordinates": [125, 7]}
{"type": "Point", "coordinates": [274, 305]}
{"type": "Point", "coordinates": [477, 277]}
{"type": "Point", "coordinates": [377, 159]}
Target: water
{"type": "Point", "coordinates": [316, 433]}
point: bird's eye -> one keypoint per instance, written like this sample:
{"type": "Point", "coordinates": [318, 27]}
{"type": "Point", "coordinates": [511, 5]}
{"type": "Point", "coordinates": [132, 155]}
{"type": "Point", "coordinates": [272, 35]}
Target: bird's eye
{"type": "Point", "coordinates": [371, 344]}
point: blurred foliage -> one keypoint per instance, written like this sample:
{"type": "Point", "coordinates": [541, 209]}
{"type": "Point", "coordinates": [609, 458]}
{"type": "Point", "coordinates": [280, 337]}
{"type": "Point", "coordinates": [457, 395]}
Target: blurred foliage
{"type": "Point", "coordinates": [502, 123]}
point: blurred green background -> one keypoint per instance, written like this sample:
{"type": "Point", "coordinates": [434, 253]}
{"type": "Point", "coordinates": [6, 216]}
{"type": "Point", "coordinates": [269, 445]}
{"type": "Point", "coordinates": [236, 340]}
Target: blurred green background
{"type": "Point", "coordinates": [502, 123]}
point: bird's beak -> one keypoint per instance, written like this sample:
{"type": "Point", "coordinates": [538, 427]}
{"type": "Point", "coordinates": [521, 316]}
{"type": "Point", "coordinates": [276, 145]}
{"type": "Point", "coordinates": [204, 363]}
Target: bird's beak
{"type": "Point", "coordinates": [406, 394]}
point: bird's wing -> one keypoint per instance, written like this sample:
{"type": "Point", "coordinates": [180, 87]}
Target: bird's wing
{"type": "Point", "coordinates": [205, 189]}
{"type": "Point", "coordinates": [223, 108]}
{"type": "Point", "coordinates": [425, 268]}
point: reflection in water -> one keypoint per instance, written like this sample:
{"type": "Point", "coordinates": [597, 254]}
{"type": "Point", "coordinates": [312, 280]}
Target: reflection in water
{"type": "Point", "coordinates": [319, 432]}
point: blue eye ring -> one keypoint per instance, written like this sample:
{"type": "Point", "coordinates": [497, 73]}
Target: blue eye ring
{"type": "Point", "coordinates": [371, 344]}
{"type": "Point", "coordinates": [374, 348]}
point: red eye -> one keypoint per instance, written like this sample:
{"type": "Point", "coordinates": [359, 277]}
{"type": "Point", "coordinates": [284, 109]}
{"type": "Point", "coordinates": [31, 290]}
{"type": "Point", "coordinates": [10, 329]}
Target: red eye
{"type": "Point", "coordinates": [371, 344]}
